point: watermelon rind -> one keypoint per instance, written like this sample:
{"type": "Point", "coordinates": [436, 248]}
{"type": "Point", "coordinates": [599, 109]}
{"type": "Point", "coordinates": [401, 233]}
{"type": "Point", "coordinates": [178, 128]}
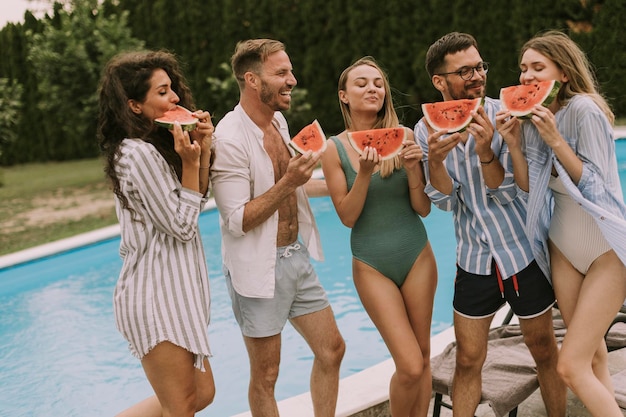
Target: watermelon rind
{"type": "Point", "coordinates": [181, 115]}
{"type": "Point", "coordinates": [451, 115]}
{"type": "Point", "coordinates": [310, 131]}
{"type": "Point", "coordinates": [361, 138]}
{"type": "Point", "coordinates": [528, 96]}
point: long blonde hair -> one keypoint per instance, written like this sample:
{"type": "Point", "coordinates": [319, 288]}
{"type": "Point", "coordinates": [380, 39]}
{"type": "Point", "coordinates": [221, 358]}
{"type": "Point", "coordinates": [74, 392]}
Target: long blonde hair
{"type": "Point", "coordinates": [567, 55]}
{"type": "Point", "coordinates": [387, 116]}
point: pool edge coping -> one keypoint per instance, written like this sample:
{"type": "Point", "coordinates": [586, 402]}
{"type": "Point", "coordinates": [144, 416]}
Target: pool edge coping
{"type": "Point", "coordinates": [70, 243]}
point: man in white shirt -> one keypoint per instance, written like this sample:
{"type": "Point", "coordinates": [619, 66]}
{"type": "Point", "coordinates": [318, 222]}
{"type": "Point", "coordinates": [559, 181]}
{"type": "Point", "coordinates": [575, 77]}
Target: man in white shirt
{"type": "Point", "coordinates": [268, 230]}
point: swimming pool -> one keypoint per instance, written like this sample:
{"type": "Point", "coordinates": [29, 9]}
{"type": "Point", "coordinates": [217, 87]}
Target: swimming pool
{"type": "Point", "coordinates": [60, 354]}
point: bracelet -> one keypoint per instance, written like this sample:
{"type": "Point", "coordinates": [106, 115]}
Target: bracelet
{"type": "Point", "coordinates": [493, 156]}
{"type": "Point", "coordinates": [416, 187]}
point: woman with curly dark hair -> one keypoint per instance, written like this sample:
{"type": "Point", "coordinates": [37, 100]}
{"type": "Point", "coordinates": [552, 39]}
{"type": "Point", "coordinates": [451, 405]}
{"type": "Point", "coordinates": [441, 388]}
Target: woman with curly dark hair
{"type": "Point", "coordinates": [160, 178]}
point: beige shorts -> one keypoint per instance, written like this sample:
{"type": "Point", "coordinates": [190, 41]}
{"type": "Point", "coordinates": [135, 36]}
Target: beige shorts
{"type": "Point", "coordinates": [298, 291]}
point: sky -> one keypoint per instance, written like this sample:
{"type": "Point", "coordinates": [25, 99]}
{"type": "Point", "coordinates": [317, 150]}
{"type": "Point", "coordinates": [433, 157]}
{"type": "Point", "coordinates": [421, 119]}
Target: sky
{"type": "Point", "coordinates": [13, 10]}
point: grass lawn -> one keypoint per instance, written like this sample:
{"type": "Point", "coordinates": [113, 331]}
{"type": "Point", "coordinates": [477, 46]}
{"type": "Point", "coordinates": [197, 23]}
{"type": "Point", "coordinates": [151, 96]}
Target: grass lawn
{"type": "Point", "coordinates": [43, 202]}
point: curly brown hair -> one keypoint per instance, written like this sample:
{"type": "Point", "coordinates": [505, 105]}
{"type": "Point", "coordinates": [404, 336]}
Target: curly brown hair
{"type": "Point", "coordinates": [127, 77]}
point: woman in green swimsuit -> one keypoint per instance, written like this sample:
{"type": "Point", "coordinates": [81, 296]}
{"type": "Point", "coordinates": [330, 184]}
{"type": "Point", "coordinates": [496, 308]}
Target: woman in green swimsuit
{"type": "Point", "coordinates": [393, 265]}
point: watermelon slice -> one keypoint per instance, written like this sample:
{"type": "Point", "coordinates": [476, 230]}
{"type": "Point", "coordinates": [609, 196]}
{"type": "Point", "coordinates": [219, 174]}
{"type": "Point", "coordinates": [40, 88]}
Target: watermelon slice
{"type": "Point", "coordinates": [451, 115]}
{"type": "Point", "coordinates": [310, 138]}
{"type": "Point", "coordinates": [179, 114]}
{"type": "Point", "coordinates": [387, 141]}
{"type": "Point", "coordinates": [520, 99]}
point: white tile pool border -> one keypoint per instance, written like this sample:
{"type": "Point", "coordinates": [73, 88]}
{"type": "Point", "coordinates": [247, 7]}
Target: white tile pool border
{"type": "Point", "coordinates": [69, 243]}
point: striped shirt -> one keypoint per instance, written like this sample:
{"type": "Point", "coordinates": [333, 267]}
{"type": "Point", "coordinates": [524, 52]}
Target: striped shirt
{"type": "Point", "coordinates": [489, 223]}
{"type": "Point", "coordinates": [587, 130]}
{"type": "Point", "coordinates": [162, 293]}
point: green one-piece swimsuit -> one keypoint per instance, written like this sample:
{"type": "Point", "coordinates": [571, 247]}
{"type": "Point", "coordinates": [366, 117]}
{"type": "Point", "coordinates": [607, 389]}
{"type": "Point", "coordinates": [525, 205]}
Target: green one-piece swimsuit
{"type": "Point", "coordinates": [389, 235]}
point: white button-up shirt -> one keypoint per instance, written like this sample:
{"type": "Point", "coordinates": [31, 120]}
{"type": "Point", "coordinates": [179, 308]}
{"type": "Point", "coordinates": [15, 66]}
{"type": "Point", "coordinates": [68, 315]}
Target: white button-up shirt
{"type": "Point", "coordinates": [242, 171]}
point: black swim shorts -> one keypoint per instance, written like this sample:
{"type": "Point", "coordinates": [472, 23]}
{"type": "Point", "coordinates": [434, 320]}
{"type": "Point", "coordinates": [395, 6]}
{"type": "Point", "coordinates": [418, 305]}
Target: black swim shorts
{"type": "Point", "coordinates": [528, 293]}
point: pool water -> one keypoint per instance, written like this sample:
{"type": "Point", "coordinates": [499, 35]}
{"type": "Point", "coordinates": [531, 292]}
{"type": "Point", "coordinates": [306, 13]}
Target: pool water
{"type": "Point", "coordinates": [60, 354]}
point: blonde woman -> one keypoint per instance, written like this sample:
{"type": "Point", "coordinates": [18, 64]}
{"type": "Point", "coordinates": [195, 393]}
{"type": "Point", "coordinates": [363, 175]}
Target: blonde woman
{"type": "Point", "coordinates": [393, 264]}
{"type": "Point", "coordinates": [568, 162]}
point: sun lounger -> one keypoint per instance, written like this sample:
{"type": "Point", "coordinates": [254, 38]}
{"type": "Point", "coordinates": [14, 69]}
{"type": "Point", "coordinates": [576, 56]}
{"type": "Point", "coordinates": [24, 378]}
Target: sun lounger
{"type": "Point", "coordinates": [509, 373]}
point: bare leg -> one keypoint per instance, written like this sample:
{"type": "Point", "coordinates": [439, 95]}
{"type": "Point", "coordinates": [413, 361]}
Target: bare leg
{"type": "Point", "coordinates": [150, 407]}
{"type": "Point", "coordinates": [420, 310]}
{"type": "Point", "coordinates": [471, 337]}
{"type": "Point", "coordinates": [403, 318]}
{"type": "Point", "coordinates": [264, 354]}
{"type": "Point", "coordinates": [320, 331]}
{"type": "Point", "coordinates": [567, 287]}
{"type": "Point", "coordinates": [601, 295]}
{"type": "Point", "coordinates": [539, 337]}
{"type": "Point", "coordinates": [179, 386]}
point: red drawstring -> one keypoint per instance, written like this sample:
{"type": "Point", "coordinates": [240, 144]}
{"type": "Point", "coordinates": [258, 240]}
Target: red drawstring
{"type": "Point", "coordinates": [501, 284]}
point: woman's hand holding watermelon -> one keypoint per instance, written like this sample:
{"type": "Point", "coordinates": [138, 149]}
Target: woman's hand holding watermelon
{"type": "Point", "coordinates": [509, 128]}
{"type": "Point", "coordinates": [545, 122]}
{"type": "Point", "coordinates": [189, 153]}
{"type": "Point", "coordinates": [411, 154]}
{"type": "Point", "coordinates": [203, 133]}
{"type": "Point", "coordinates": [368, 160]}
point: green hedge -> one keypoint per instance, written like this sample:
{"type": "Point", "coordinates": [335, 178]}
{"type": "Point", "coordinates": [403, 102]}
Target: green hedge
{"type": "Point", "coordinates": [323, 37]}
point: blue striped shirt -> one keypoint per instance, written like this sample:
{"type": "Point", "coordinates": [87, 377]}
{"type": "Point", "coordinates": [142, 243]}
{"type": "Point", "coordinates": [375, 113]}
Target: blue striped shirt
{"type": "Point", "coordinates": [587, 130]}
{"type": "Point", "coordinates": [489, 223]}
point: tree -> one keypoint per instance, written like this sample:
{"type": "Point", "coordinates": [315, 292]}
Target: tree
{"type": "Point", "coordinates": [10, 106]}
{"type": "Point", "coordinates": [67, 58]}
{"type": "Point", "coordinates": [607, 51]}
{"type": "Point", "coordinates": [67, 49]}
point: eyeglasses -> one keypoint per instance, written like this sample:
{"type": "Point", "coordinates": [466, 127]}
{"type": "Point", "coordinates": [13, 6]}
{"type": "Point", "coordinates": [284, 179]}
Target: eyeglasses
{"type": "Point", "coordinates": [466, 73]}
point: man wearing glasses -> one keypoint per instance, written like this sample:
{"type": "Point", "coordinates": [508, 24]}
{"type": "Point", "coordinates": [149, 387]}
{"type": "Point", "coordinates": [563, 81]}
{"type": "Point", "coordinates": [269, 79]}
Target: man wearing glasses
{"type": "Point", "coordinates": [470, 174]}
